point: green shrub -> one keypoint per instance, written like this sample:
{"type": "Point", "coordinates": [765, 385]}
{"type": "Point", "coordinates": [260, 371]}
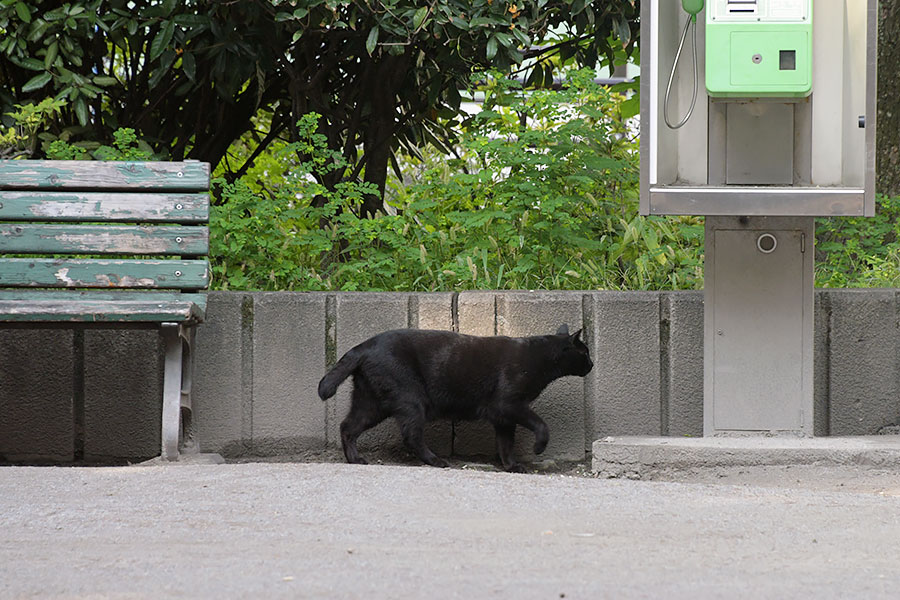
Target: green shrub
{"type": "Point", "coordinates": [543, 195]}
{"type": "Point", "coordinates": [126, 146]}
{"type": "Point", "coordinates": [860, 251]}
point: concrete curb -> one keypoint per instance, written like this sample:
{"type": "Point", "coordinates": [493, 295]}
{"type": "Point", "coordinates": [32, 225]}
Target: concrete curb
{"type": "Point", "coordinates": [644, 457]}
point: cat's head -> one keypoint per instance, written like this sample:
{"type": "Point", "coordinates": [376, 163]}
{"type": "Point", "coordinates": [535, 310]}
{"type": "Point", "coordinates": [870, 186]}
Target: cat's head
{"type": "Point", "coordinates": [574, 358]}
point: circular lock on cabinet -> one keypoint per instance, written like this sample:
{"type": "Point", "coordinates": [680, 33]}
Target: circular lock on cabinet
{"type": "Point", "coordinates": [766, 243]}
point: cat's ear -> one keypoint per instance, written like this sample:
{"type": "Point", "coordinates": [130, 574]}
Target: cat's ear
{"type": "Point", "coordinates": [563, 329]}
{"type": "Point", "coordinates": [575, 335]}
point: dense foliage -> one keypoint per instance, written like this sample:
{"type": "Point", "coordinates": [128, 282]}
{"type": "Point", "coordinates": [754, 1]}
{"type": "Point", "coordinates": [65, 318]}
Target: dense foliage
{"type": "Point", "coordinates": [537, 190]}
{"type": "Point", "coordinates": [192, 76]}
{"type": "Point", "coordinates": [860, 251]}
{"type": "Point", "coordinates": [543, 194]}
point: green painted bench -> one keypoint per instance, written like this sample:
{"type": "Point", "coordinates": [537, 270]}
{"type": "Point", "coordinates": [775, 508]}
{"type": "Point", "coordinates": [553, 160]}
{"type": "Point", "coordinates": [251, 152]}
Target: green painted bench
{"type": "Point", "coordinates": [110, 244]}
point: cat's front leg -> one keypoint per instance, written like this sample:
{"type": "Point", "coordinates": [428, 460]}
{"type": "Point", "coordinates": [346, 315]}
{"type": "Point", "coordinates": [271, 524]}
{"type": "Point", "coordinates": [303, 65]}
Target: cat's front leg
{"type": "Point", "coordinates": [506, 438]}
{"type": "Point", "coordinates": [529, 419]}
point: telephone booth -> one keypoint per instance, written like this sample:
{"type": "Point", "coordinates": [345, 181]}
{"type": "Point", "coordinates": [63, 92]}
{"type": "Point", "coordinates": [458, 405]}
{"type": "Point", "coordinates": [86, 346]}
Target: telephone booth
{"type": "Point", "coordinates": [760, 116]}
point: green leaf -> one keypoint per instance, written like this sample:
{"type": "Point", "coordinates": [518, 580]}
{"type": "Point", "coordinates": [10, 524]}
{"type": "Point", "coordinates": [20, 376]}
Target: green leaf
{"type": "Point", "coordinates": [191, 21]}
{"type": "Point", "coordinates": [81, 110]}
{"type": "Point", "coordinates": [189, 65]}
{"type": "Point", "coordinates": [372, 40]}
{"type": "Point", "coordinates": [52, 51]}
{"type": "Point", "coordinates": [166, 60]}
{"type": "Point", "coordinates": [103, 80]}
{"type": "Point", "coordinates": [631, 107]}
{"type": "Point", "coordinates": [38, 29]}
{"type": "Point", "coordinates": [162, 39]}
{"type": "Point", "coordinates": [623, 32]}
{"type": "Point", "coordinates": [23, 12]}
{"type": "Point", "coordinates": [491, 50]}
{"type": "Point", "coordinates": [29, 63]}
{"type": "Point", "coordinates": [37, 82]}
{"type": "Point", "coordinates": [419, 17]}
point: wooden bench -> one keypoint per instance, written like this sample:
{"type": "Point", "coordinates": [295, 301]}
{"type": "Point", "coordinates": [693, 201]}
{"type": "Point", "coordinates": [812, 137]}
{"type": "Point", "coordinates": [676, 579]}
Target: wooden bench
{"type": "Point", "coordinates": [110, 244]}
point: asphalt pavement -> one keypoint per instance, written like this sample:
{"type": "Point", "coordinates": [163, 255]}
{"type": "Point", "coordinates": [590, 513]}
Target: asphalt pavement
{"type": "Point", "coordinates": [290, 530]}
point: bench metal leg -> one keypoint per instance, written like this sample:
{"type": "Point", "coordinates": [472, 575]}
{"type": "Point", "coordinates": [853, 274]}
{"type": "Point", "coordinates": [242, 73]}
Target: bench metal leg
{"type": "Point", "coordinates": [188, 443]}
{"type": "Point", "coordinates": [177, 425]}
{"type": "Point", "coordinates": [171, 409]}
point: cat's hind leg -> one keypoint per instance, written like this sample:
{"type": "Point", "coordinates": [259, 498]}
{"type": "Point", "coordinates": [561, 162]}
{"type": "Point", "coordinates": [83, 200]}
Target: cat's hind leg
{"type": "Point", "coordinates": [364, 414]}
{"type": "Point", "coordinates": [412, 427]}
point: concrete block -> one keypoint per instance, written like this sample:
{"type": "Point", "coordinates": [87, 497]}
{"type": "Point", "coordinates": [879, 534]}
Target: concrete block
{"type": "Point", "coordinates": [123, 378]}
{"type": "Point", "coordinates": [222, 391]}
{"type": "Point", "coordinates": [477, 313]}
{"type": "Point", "coordinates": [682, 347]}
{"type": "Point", "coordinates": [562, 404]}
{"type": "Point", "coordinates": [821, 361]}
{"type": "Point", "coordinates": [625, 382]}
{"type": "Point", "coordinates": [37, 395]}
{"type": "Point", "coordinates": [863, 374]}
{"type": "Point", "coordinates": [359, 316]}
{"type": "Point", "coordinates": [432, 311]}
{"type": "Point", "coordinates": [288, 361]}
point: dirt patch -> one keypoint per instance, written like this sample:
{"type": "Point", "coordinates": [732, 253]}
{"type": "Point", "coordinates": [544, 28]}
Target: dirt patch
{"type": "Point", "coordinates": [478, 463]}
{"type": "Point", "coordinates": [853, 479]}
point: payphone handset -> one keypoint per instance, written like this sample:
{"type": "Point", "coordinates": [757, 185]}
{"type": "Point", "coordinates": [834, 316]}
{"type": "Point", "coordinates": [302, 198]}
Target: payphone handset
{"type": "Point", "coordinates": [754, 49]}
{"type": "Point", "coordinates": [692, 8]}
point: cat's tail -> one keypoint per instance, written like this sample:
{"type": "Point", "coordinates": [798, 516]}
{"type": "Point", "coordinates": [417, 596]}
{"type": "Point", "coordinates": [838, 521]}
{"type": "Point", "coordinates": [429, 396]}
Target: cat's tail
{"type": "Point", "coordinates": [341, 371]}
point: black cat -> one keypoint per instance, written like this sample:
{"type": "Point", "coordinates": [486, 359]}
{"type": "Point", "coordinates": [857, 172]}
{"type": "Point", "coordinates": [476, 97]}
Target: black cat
{"type": "Point", "coordinates": [419, 375]}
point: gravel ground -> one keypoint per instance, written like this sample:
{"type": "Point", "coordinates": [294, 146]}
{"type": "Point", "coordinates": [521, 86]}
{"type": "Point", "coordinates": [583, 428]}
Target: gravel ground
{"type": "Point", "coordinates": [330, 530]}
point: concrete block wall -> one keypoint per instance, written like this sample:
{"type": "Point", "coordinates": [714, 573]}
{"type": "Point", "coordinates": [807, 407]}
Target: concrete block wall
{"type": "Point", "coordinates": [95, 394]}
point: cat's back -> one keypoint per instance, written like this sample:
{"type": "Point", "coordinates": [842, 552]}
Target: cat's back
{"type": "Point", "coordinates": [416, 342]}
{"type": "Point", "coordinates": [429, 348]}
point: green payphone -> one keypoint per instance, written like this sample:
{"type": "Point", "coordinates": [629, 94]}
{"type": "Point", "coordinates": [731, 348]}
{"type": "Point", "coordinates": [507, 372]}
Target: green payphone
{"type": "Point", "coordinates": [759, 48]}
{"type": "Point", "coordinates": [754, 49]}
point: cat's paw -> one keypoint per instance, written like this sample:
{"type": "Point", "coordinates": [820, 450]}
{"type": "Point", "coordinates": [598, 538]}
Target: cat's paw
{"type": "Point", "coordinates": [515, 468]}
{"type": "Point", "coordinates": [438, 462]}
{"type": "Point", "coordinates": [540, 445]}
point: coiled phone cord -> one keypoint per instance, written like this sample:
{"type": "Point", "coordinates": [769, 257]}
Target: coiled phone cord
{"type": "Point", "coordinates": [672, 74]}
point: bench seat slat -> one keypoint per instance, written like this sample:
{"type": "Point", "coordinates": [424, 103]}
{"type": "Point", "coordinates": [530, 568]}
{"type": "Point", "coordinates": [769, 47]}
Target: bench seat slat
{"type": "Point", "coordinates": [75, 206]}
{"type": "Point", "coordinates": [92, 175]}
{"type": "Point", "coordinates": [100, 311]}
{"type": "Point", "coordinates": [102, 273]}
{"type": "Point", "coordinates": [28, 238]}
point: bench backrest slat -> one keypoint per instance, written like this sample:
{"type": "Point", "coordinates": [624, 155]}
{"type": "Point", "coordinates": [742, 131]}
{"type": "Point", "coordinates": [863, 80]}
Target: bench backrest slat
{"type": "Point", "coordinates": [97, 273]}
{"type": "Point", "coordinates": [30, 238]}
{"type": "Point", "coordinates": [127, 224]}
{"type": "Point", "coordinates": [111, 175]}
{"type": "Point", "coordinates": [169, 207]}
